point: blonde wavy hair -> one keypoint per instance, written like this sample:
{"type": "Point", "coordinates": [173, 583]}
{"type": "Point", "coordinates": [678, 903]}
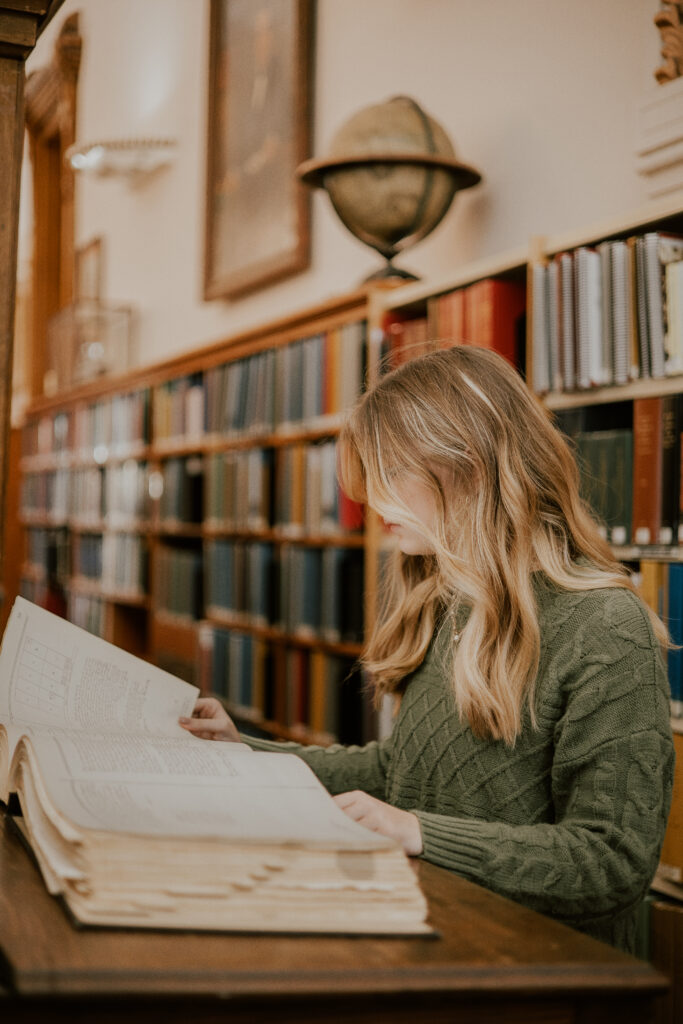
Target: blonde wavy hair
{"type": "Point", "coordinates": [505, 488]}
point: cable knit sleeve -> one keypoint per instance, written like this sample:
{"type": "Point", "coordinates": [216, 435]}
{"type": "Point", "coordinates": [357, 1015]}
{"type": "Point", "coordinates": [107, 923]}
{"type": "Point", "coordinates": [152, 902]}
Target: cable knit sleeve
{"type": "Point", "coordinates": [606, 708]}
{"type": "Point", "coordinates": [340, 769]}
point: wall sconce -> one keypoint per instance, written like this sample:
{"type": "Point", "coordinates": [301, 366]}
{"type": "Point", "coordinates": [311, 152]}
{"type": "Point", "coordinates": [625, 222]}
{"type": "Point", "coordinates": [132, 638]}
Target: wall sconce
{"type": "Point", "coordinates": [127, 158]}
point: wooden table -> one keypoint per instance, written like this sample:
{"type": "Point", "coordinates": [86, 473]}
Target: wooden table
{"type": "Point", "coordinates": [492, 961]}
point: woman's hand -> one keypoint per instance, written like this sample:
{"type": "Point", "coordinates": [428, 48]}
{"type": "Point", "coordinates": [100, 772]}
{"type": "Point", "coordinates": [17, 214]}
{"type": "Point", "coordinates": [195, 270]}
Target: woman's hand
{"type": "Point", "coordinates": [402, 826]}
{"type": "Point", "coordinates": [210, 721]}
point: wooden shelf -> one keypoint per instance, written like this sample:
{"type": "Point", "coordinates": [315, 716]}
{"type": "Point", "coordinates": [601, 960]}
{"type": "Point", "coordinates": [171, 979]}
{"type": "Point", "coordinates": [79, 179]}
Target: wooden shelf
{"type": "Point", "coordinates": [664, 885]}
{"type": "Point", "coordinates": [172, 528]}
{"type": "Point", "coordinates": [210, 444]}
{"type": "Point", "coordinates": [94, 588]}
{"type": "Point", "coordinates": [651, 388]}
{"type": "Point", "coordinates": [226, 620]}
{"type": "Point", "coordinates": [279, 535]}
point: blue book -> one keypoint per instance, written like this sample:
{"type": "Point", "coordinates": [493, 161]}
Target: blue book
{"type": "Point", "coordinates": [675, 657]}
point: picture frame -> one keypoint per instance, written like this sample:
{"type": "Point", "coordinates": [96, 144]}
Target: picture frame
{"type": "Point", "coordinates": [257, 228]}
{"type": "Point", "coordinates": [88, 272]}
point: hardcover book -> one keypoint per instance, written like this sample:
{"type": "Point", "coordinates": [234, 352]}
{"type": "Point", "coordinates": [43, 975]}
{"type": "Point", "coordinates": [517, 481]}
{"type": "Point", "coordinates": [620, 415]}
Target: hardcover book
{"type": "Point", "coordinates": [136, 823]}
{"type": "Point", "coordinates": [647, 470]}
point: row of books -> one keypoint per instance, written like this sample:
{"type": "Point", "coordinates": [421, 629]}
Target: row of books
{"type": "Point", "coordinates": [46, 435]}
{"type": "Point", "coordinates": [48, 551]}
{"type": "Point", "coordinates": [489, 313]}
{"type": "Point", "coordinates": [631, 473]}
{"type": "Point", "coordinates": [45, 493]}
{"type": "Point", "coordinates": [179, 408]}
{"type": "Point", "coordinates": [117, 561]}
{"type": "Point", "coordinates": [608, 314]}
{"type": "Point", "coordinates": [109, 426]}
{"type": "Point", "coordinates": [178, 582]}
{"type": "Point", "coordinates": [294, 488]}
{"type": "Point", "coordinates": [124, 564]}
{"type": "Point", "coordinates": [182, 499]}
{"type": "Point", "coordinates": [298, 385]}
{"type": "Point", "coordinates": [86, 556]}
{"type": "Point", "coordinates": [299, 689]}
{"type": "Point", "coordinates": [310, 592]}
{"type": "Point", "coordinates": [307, 496]}
{"type": "Point", "coordinates": [661, 586]}
{"type": "Point", "coordinates": [117, 494]}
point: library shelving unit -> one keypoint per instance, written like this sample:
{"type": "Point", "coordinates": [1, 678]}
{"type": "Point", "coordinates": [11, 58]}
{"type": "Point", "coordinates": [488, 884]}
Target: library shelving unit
{"type": "Point", "coordinates": [189, 512]}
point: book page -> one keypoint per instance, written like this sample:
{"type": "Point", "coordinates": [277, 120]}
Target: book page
{"type": "Point", "coordinates": [190, 787]}
{"type": "Point", "coordinates": [55, 674]}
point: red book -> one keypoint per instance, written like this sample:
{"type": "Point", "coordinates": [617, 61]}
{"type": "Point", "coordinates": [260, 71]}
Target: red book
{"type": "Point", "coordinates": [458, 324]}
{"type": "Point", "coordinates": [351, 513]}
{"type": "Point", "coordinates": [494, 307]}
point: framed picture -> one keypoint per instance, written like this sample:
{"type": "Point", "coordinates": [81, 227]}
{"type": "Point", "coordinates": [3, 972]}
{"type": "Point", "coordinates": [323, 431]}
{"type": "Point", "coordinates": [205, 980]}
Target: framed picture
{"type": "Point", "coordinates": [88, 276]}
{"type": "Point", "coordinates": [257, 212]}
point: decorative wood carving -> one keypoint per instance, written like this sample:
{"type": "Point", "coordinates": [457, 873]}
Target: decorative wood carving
{"type": "Point", "coordinates": [669, 21]}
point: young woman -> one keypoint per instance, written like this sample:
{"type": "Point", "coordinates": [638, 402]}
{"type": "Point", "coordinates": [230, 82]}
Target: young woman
{"type": "Point", "coordinates": [531, 750]}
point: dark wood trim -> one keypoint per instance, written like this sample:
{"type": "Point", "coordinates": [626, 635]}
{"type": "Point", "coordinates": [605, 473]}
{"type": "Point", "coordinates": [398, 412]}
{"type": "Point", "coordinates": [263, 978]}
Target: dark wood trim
{"type": "Point", "coordinates": [51, 124]}
{"type": "Point", "coordinates": [21, 22]}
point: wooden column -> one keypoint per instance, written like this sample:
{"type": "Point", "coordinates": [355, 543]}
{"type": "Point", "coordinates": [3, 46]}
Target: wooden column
{"type": "Point", "coordinates": [21, 22]}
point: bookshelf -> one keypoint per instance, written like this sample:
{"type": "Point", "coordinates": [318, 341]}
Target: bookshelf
{"type": "Point", "coordinates": [190, 512]}
{"type": "Point", "coordinates": [177, 499]}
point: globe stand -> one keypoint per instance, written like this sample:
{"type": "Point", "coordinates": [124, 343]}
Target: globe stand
{"type": "Point", "coordinates": [390, 272]}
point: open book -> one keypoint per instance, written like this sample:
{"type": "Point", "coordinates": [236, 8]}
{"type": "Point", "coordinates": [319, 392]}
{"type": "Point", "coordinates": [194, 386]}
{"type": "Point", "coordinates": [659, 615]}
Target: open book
{"type": "Point", "coordinates": [136, 823]}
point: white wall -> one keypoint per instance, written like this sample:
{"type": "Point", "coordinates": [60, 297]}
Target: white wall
{"type": "Point", "coordinates": [539, 96]}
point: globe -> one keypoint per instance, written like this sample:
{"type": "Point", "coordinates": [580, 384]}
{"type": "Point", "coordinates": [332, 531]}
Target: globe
{"type": "Point", "coordinates": [391, 175]}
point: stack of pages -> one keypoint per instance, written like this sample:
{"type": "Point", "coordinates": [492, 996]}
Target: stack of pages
{"type": "Point", "coordinates": [135, 823]}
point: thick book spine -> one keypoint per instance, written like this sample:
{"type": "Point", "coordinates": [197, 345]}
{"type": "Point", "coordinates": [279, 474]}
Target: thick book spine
{"type": "Point", "coordinates": [647, 469]}
{"type": "Point", "coordinates": [674, 316]}
{"type": "Point", "coordinates": [620, 475]}
{"type": "Point", "coordinates": [607, 313]}
{"type": "Point", "coordinates": [620, 290]}
{"type": "Point", "coordinates": [641, 293]}
{"type": "Point", "coordinates": [588, 296]}
{"type": "Point", "coordinates": [671, 428]}
{"type": "Point", "coordinates": [540, 329]}
{"type": "Point", "coordinates": [494, 307]}
{"type": "Point", "coordinates": [675, 624]}
{"type": "Point", "coordinates": [554, 326]}
{"type": "Point", "coordinates": [567, 330]}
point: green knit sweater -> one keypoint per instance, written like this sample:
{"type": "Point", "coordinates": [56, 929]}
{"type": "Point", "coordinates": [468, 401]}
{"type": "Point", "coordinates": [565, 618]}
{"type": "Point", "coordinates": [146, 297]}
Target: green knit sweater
{"type": "Point", "coordinates": [570, 820]}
